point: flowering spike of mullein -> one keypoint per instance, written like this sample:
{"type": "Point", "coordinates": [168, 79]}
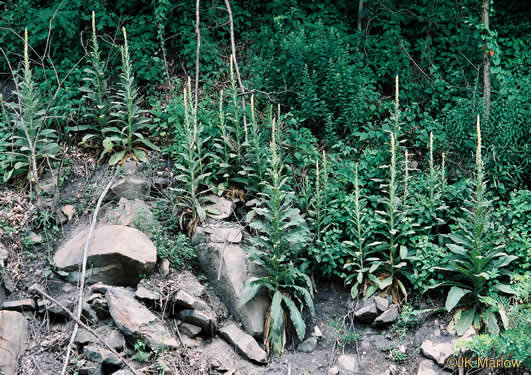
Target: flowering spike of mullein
{"type": "Point", "coordinates": [26, 47]}
{"type": "Point", "coordinates": [126, 47]}
{"type": "Point", "coordinates": [253, 118]}
{"type": "Point", "coordinates": [406, 176]}
{"type": "Point", "coordinates": [478, 149]}
{"type": "Point", "coordinates": [231, 69]}
{"type": "Point", "coordinates": [93, 23]}
{"type": "Point", "coordinates": [431, 149]}
{"type": "Point", "coordinates": [396, 91]}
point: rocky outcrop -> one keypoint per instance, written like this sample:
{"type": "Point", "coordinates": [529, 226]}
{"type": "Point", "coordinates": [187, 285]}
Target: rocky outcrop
{"type": "Point", "coordinates": [13, 337]}
{"type": "Point", "coordinates": [219, 208]}
{"type": "Point", "coordinates": [245, 343]}
{"type": "Point", "coordinates": [131, 187]}
{"type": "Point", "coordinates": [228, 268]}
{"type": "Point", "coordinates": [136, 321]}
{"type": "Point", "coordinates": [132, 213]}
{"type": "Point", "coordinates": [220, 356]}
{"type": "Point", "coordinates": [117, 255]}
{"type": "Point", "coordinates": [438, 350]}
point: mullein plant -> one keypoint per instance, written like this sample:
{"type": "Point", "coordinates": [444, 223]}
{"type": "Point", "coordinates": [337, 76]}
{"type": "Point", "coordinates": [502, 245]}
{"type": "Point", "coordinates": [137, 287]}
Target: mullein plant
{"type": "Point", "coordinates": [96, 96]}
{"type": "Point", "coordinates": [32, 139]}
{"type": "Point", "coordinates": [476, 265]}
{"type": "Point", "coordinates": [393, 233]}
{"type": "Point", "coordinates": [281, 236]}
{"type": "Point", "coordinates": [362, 261]}
{"type": "Point", "coordinates": [127, 139]}
{"type": "Point", "coordinates": [191, 197]}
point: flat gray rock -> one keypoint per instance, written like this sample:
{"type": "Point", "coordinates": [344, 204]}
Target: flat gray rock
{"type": "Point", "coordinates": [439, 349]}
{"type": "Point", "coordinates": [204, 319]}
{"type": "Point", "coordinates": [348, 363]}
{"type": "Point", "coordinates": [117, 255]}
{"type": "Point", "coordinates": [231, 263]}
{"type": "Point", "coordinates": [136, 321]}
{"type": "Point", "coordinates": [13, 337]}
{"type": "Point", "coordinates": [308, 345]}
{"type": "Point", "coordinates": [131, 187]}
{"type": "Point", "coordinates": [367, 313]}
{"type": "Point", "coordinates": [382, 304]}
{"type": "Point", "coordinates": [427, 367]}
{"type": "Point", "coordinates": [388, 316]}
{"type": "Point", "coordinates": [245, 343]}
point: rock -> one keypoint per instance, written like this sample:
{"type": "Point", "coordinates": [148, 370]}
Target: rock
{"type": "Point", "coordinates": [123, 371]}
{"type": "Point", "coordinates": [219, 233]}
{"type": "Point", "coordinates": [13, 337]}
{"type": "Point", "coordinates": [381, 303]}
{"type": "Point", "coordinates": [367, 313]}
{"type": "Point", "coordinates": [220, 208]}
{"type": "Point", "coordinates": [131, 187]}
{"type": "Point", "coordinates": [333, 370]}
{"type": "Point", "coordinates": [188, 301]}
{"type": "Point", "coordinates": [245, 343]}
{"type": "Point", "coordinates": [136, 321]}
{"type": "Point", "coordinates": [190, 342]}
{"type": "Point", "coordinates": [132, 213]}
{"type": "Point", "coordinates": [189, 283]}
{"type": "Point", "coordinates": [69, 211]}
{"type": "Point", "coordinates": [439, 349]}
{"type": "Point", "coordinates": [147, 294]}
{"type": "Point", "coordinates": [348, 364]}
{"type": "Point", "coordinates": [234, 271]}
{"type": "Point", "coordinates": [388, 316]}
{"type": "Point", "coordinates": [203, 319]}
{"type": "Point", "coordinates": [308, 345]}
{"type": "Point", "coordinates": [381, 342]}
{"type": "Point", "coordinates": [27, 304]}
{"type": "Point", "coordinates": [4, 254]}
{"type": "Point", "coordinates": [190, 330]}
{"type": "Point", "coordinates": [35, 238]}
{"type": "Point", "coordinates": [97, 354]}
{"type": "Point", "coordinates": [111, 337]}
{"type": "Point", "coordinates": [90, 368]}
{"type": "Point", "coordinates": [164, 267]}
{"type": "Point", "coordinates": [118, 255]}
{"type": "Point", "coordinates": [9, 283]}
{"type": "Point", "coordinates": [217, 353]}
{"type": "Point", "coordinates": [427, 367]}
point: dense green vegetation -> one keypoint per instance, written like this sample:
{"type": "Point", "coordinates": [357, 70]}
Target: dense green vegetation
{"type": "Point", "coordinates": [387, 167]}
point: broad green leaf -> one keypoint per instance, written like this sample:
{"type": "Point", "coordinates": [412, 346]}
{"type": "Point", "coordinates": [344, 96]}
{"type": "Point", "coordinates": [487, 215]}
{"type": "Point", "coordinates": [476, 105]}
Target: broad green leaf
{"type": "Point", "coordinates": [463, 320]}
{"type": "Point", "coordinates": [276, 330]}
{"type": "Point", "coordinates": [296, 317]}
{"type": "Point", "coordinates": [492, 325]}
{"type": "Point", "coordinates": [250, 290]}
{"type": "Point", "coordinates": [454, 296]}
{"type": "Point", "coordinates": [115, 158]}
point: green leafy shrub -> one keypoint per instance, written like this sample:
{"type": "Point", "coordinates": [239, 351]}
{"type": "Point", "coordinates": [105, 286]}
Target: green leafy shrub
{"type": "Point", "coordinates": [427, 257]}
{"type": "Point", "coordinates": [513, 220]}
{"type": "Point", "coordinates": [282, 234]}
{"type": "Point", "coordinates": [334, 96]}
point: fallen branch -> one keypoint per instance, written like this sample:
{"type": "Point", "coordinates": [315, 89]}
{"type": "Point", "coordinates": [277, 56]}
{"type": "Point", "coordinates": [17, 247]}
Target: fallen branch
{"type": "Point", "coordinates": [83, 273]}
{"type": "Point", "coordinates": [86, 327]}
